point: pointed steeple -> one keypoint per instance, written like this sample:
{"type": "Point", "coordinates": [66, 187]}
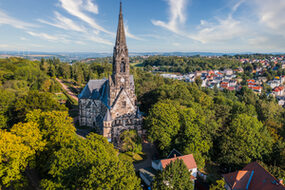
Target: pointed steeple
{"type": "Point", "coordinates": [121, 38]}
{"type": "Point", "coordinates": [121, 62]}
{"type": "Point", "coordinates": [108, 116]}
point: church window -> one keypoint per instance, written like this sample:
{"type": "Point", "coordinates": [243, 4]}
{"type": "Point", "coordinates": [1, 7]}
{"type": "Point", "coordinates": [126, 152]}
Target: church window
{"type": "Point", "coordinates": [123, 66]}
{"type": "Point", "coordinates": [124, 104]}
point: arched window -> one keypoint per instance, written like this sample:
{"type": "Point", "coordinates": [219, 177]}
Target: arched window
{"type": "Point", "coordinates": [123, 66]}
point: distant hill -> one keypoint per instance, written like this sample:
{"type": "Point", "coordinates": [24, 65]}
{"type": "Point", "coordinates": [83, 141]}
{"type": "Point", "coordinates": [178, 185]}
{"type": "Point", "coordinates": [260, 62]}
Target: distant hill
{"type": "Point", "coordinates": [76, 56]}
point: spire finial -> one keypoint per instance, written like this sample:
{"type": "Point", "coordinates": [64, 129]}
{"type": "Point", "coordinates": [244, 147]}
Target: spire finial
{"type": "Point", "coordinates": [120, 6]}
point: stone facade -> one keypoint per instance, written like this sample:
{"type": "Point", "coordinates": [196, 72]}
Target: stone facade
{"type": "Point", "coordinates": [109, 105]}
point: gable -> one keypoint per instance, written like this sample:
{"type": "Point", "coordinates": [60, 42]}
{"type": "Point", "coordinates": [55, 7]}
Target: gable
{"type": "Point", "coordinates": [122, 105]}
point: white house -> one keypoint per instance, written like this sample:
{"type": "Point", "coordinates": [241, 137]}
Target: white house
{"type": "Point", "coordinates": [188, 160]}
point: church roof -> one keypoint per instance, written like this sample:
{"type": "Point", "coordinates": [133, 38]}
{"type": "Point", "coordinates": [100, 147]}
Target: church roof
{"type": "Point", "coordinates": [108, 116]}
{"type": "Point", "coordinates": [96, 90]}
{"type": "Point", "coordinates": [99, 90]}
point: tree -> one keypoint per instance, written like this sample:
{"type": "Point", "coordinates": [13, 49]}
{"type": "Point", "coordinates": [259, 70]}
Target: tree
{"type": "Point", "coordinates": [90, 163]}
{"type": "Point", "coordinates": [17, 151]}
{"type": "Point", "coordinates": [174, 176]}
{"type": "Point", "coordinates": [56, 127]}
{"type": "Point", "coordinates": [130, 141]}
{"type": "Point", "coordinates": [35, 100]}
{"type": "Point", "coordinates": [198, 81]}
{"type": "Point", "coordinates": [191, 139]}
{"type": "Point", "coordinates": [244, 139]}
{"type": "Point", "coordinates": [219, 185]}
{"type": "Point", "coordinates": [6, 99]}
{"type": "Point", "coordinates": [163, 123]}
{"type": "Point", "coordinates": [30, 134]}
{"type": "Point", "coordinates": [14, 158]}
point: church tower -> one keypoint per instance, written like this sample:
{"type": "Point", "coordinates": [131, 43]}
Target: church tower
{"type": "Point", "coordinates": [120, 79]}
{"type": "Point", "coordinates": [109, 105]}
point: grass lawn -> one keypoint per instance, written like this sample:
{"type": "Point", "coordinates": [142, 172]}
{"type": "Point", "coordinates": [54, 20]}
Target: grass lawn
{"type": "Point", "coordinates": [60, 97]}
{"type": "Point", "coordinates": [132, 157]}
{"type": "Point", "coordinates": [137, 64]}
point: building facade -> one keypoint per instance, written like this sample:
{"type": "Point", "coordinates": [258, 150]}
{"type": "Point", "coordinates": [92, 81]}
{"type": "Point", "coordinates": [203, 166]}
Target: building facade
{"type": "Point", "coordinates": [109, 105]}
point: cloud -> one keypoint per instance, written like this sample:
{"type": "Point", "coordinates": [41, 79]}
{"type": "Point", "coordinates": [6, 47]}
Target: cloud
{"type": "Point", "coordinates": [130, 35]}
{"type": "Point", "coordinates": [177, 15]}
{"type": "Point", "coordinates": [271, 14]}
{"type": "Point", "coordinates": [89, 6]}
{"type": "Point", "coordinates": [100, 40]}
{"type": "Point", "coordinates": [79, 42]}
{"type": "Point", "coordinates": [63, 23]}
{"type": "Point", "coordinates": [46, 36]}
{"type": "Point", "coordinates": [6, 19]}
{"type": "Point", "coordinates": [224, 30]}
{"type": "Point", "coordinates": [77, 8]}
{"type": "Point", "coordinates": [23, 38]}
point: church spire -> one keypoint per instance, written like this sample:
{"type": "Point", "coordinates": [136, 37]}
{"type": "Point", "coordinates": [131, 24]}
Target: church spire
{"type": "Point", "coordinates": [121, 66]}
{"type": "Point", "coordinates": [121, 38]}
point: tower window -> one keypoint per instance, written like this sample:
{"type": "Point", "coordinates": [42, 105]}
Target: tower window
{"type": "Point", "coordinates": [124, 104]}
{"type": "Point", "coordinates": [123, 66]}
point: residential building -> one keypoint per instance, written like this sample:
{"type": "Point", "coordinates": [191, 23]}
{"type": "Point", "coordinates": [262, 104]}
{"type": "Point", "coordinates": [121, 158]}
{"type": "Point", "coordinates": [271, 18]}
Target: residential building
{"type": "Point", "coordinates": [252, 177]}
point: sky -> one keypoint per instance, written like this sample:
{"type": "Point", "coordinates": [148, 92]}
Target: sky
{"type": "Point", "coordinates": [225, 26]}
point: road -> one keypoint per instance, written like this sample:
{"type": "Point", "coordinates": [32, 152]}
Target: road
{"type": "Point", "coordinates": [150, 151]}
{"type": "Point", "coordinates": [71, 94]}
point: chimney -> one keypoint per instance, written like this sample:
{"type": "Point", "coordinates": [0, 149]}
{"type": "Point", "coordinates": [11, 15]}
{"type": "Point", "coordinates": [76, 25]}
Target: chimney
{"type": "Point", "coordinates": [281, 181]}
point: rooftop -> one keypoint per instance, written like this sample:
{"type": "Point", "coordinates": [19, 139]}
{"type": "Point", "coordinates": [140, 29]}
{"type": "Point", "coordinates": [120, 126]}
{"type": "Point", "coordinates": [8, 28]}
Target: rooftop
{"type": "Point", "coordinates": [188, 160]}
{"type": "Point", "coordinates": [252, 177]}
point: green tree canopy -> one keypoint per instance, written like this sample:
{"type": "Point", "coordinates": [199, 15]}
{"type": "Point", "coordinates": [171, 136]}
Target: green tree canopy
{"type": "Point", "coordinates": [245, 139]}
{"type": "Point", "coordinates": [130, 141]}
{"type": "Point", "coordinates": [174, 176]}
{"type": "Point", "coordinates": [90, 163]}
{"type": "Point", "coordinates": [35, 100]}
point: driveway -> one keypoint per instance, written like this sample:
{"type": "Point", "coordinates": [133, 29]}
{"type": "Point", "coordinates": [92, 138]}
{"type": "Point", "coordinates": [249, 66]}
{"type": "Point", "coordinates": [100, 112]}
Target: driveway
{"type": "Point", "coordinates": [150, 151]}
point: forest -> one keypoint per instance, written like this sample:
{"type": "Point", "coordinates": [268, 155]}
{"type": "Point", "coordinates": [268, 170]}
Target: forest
{"type": "Point", "coordinates": [223, 130]}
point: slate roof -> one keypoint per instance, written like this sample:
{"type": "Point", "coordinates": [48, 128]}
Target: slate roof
{"type": "Point", "coordinates": [96, 90]}
{"type": "Point", "coordinates": [174, 153]}
{"type": "Point", "coordinates": [252, 177]}
{"type": "Point", "coordinates": [108, 116]}
{"type": "Point", "coordinates": [99, 90]}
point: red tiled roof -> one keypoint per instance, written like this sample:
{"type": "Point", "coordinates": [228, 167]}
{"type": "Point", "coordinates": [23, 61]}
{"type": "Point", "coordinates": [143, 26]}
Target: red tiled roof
{"type": "Point", "coordinates": [238, 179]}
{"type": "Point", "coordinates": [278, 88]}
{"type": "Point", "coordinates": [255, 177]}
{"type": "Point", "coordinates": [231, 88]}
{"type": "Point", "coordinates": [255, 87]}
{"type": "Point", "coordinates": [188, 160]}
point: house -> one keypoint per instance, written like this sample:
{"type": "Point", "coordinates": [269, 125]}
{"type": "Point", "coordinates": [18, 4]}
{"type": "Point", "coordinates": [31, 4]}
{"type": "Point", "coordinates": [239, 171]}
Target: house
{"type": "Point", "coordinates": [281, 100]}
{"type": "Point", "coordinates": [188, 160]}
{"type": "Point", "coordinates": [228, 72]}
{"type": "Point", "coordinates": [232, 83]}
{"type": "Point", "coordinates": [278, 91]}
{"type": "Point", "coordinates": [147, 174]}
{"type": "Point", "coordinates": [257, 89]}
{"type": "Point", "coordinates": [252, 177]}
{"type": "Point", "coordinates": [224, 85]}
{"type": "Point", "coordinates": [262, 79]}
{"type": "Point", "coordinates": [274, 83]}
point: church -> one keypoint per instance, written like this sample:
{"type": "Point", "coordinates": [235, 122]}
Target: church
{"type": "Point", "coordinates": [109, 105]}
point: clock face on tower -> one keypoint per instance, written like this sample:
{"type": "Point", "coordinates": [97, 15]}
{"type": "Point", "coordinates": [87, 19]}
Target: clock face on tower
{"type": "Point", "coordinates": [122, 80]}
